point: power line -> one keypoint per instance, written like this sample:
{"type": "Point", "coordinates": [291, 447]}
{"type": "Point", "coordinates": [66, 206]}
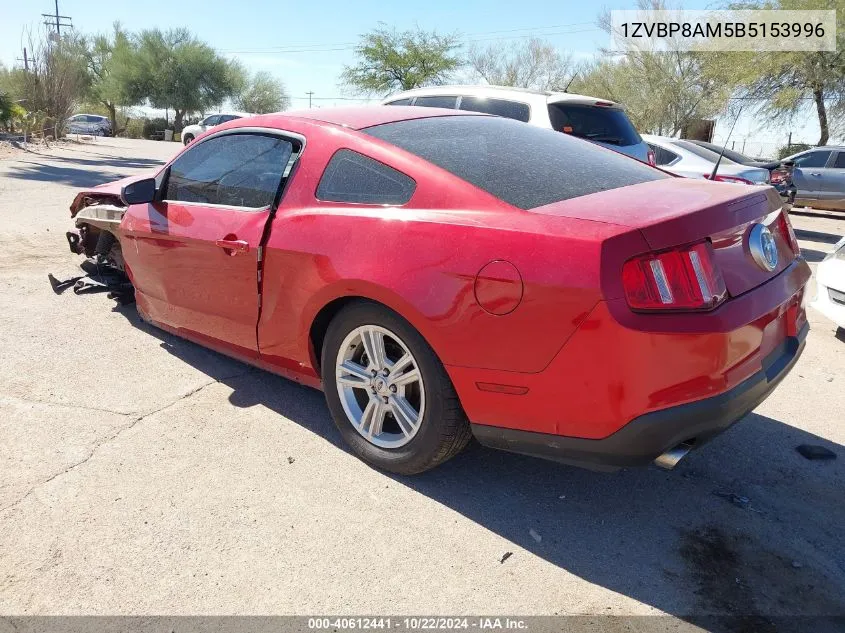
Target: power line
{"type": "Point", "coordinates": [472, 37]}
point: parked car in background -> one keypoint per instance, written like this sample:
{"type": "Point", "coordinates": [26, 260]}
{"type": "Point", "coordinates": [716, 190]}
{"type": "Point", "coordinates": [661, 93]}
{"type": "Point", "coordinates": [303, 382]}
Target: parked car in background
{"type": "Point", "coordinates": [602, 122]}
{"type": "Point", "coordinates": [819, 177]}
{"type": "Point", "coordinates": [93, 124]}
{"type": "Point", "coordinates": [737, 157]}
{"type": "Point", "coordinates": [780, 172]}
{"type": "Point", "coordinates": [190, 132]}
{"type": "Point", "coordinates": [689, 160]}
{"type": "Point", "coordinates": [442, 274]}
{"type": "Point", "coordinates": [830, 285]}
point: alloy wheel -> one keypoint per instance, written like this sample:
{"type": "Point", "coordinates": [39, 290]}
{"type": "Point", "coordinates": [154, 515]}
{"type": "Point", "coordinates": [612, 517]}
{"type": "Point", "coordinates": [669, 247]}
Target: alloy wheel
{"type": "Point", "coordinates": [380, 386]}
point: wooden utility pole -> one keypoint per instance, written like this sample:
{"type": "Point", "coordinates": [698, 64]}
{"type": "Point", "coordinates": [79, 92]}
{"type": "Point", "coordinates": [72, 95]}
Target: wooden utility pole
{"type": "Point", "coordinates": [58, 21]}
{"type": "Point", "coordinates": [309, 93]}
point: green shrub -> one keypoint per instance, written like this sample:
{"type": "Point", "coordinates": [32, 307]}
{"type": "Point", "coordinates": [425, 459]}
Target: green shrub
{"type": "Point", "coordinates": [152, 126]}
{"type": "Point", "coordinates": [134, 128]}
{"type": "Point", "coordinates": [789, 150]}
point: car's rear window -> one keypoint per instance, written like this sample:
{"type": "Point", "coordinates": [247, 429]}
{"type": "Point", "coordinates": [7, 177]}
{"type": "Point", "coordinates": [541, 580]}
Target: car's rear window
{"type": "Point", "coordinates": [523, 165]}
{"type": "Point", "coordinates": [594, 123]}
{"type": "Point", "coordinates": [702, 152]}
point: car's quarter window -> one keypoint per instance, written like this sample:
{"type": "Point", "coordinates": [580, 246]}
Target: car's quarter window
{"type": "Point", "coordinates": [499, 107]}
{"type": "Point", "coordinates": [436, 102]}
{"type": "Point", "coordinates": [237, 170]}
{"type": "Point", "coordinates": [813, 159]}
{"type": "Point", "coordinates": [400, 102]}
{"type": "Point", "coordinates": [353, 177]}
{"type": "Point", "coordinates": [523, 165]}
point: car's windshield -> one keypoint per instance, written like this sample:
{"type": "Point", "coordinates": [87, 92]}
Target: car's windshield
{"type": "Point", "coordinates": [595, 123]}
{"type": "Point", "coordinates": [523, 165]}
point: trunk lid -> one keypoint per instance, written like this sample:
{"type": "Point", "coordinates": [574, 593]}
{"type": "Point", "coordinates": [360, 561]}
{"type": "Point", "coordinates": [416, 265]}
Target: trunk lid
{"type": "Point", "coordinates": [675, 212]}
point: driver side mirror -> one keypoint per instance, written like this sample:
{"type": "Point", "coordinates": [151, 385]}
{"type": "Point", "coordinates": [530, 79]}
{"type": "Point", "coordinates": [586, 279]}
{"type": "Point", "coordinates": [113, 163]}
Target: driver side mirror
{"type": "Point", "coordinates": [139, 192]}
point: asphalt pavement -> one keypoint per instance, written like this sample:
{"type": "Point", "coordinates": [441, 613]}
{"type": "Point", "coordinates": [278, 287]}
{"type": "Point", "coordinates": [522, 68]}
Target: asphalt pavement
{"type": "Point", "coordinates": [141, 474]}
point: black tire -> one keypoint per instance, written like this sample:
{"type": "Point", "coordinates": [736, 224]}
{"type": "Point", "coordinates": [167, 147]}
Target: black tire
{"type": "Point", "coordinates": [444, 430]}
{"type": "Point", "coordinates": [188, 138]}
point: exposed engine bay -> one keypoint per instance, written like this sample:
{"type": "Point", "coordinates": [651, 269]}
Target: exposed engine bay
{"type": "Point", "coordinates": [97, 220]}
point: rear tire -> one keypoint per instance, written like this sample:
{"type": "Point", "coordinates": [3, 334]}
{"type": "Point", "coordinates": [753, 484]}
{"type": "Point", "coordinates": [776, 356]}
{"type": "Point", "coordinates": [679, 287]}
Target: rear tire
{"type": "Point", "coordinates": [188, 138]}
{"type": "Point", "coordinates": [400, 447]}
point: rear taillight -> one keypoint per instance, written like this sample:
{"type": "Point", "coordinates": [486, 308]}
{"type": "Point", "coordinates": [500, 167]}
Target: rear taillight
{"type": "Point", "coordinates": [784, 227]}
{"type": "Point", "coordinates": [680, 279]}
{"type": "Point", "coordinates": [733, 179]}
{"type": "Point", "coordinates": [650, 159]}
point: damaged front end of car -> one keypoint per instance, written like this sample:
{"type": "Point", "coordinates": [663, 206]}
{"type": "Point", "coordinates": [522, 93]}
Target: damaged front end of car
{"type": "Point", "coordinates": [97, 216]}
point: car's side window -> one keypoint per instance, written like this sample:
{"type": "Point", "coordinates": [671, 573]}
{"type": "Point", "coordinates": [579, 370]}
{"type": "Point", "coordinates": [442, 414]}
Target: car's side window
{"type": "Point", "coordinates": [840, 161]}
{"type": "Point", "coordinates": [812, 159]}
{"type": "Point", "coordinates": [400, 102]}
{"type": "Point", "coordinates": [437, 102]}
{"type": "Point", "coordinates": [237, 170]}
{"type": "Point", "coordinates": [211, 120]}
{"type": "Point", "coordinates": [499, 107]}
{"type": "Point", "coordinates": [353, 177]}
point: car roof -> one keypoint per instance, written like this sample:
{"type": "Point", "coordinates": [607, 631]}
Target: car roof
{"type": "Point", "coordinates": [355, 118]}
{"type": "Point", "coordinates": [240, 114]}
{"type": "Point", "coordinates": [535, 97]}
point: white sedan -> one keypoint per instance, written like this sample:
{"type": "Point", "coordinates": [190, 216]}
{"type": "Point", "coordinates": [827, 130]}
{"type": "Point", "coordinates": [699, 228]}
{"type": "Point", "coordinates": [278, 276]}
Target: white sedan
{"type": "Point", "coordinates": [190, 132]}
{"type": "Point", "coordinates": [689, 160]}
{"type": "Point", "coordinates": [830, 285]}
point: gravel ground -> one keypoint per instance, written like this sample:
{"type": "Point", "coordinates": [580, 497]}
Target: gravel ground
{"type": "Point", "coordinates": [143, 474]}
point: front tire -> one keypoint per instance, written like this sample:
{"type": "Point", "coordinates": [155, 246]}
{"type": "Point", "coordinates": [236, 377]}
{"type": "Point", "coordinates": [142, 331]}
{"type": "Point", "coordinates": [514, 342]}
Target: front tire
{"type": "Point", "coordinates": [188, 138]}
{"type": "Point", "coordinates": [388, 393]}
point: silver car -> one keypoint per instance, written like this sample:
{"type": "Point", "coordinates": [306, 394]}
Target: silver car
{"type": "Point", "coordinates": [92, 124]}
{"type": "Point", "coordinates": [819, 176]}
{"type": "Point", "coordinates": [683, 158]}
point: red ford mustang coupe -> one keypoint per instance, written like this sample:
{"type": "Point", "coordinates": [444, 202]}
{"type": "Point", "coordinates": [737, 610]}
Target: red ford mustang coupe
{"type": "Point", "coordinates": [442, 275]}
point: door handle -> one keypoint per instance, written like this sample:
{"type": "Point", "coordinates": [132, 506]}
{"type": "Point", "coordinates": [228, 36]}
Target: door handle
{"type": "Point", "coordinates": [815, 173]}
{"type": "Point", "coordinates": [233, 247]}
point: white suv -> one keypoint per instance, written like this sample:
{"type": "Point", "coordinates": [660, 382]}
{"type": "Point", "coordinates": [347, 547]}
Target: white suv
{"type": "Point", "coordinates": [602, 122]}
{"type": "Point", "coordinates": [190, 132]}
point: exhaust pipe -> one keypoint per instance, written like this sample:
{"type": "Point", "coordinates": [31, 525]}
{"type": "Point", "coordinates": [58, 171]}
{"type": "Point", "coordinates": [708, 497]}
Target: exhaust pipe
{"type": "Point", "coordinates": [670, 458]}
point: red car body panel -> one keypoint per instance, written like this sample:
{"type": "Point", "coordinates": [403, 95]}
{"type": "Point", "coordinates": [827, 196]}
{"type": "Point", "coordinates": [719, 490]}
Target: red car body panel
{"type": "Point", "coordinates": [525, 309]}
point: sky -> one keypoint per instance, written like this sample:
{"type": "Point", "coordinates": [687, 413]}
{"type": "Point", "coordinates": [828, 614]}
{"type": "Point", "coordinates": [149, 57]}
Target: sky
{"type": "Point", "coordinates": [306, 44]}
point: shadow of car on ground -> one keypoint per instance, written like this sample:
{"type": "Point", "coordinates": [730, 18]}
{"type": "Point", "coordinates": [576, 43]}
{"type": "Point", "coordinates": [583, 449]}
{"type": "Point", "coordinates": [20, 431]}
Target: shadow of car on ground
{"type": "Point", "coordinates": [744, 528]}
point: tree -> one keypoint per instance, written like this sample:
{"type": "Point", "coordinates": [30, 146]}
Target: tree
{"type": "Point", "coordinates": [56, 81]}
{"type": "Point", "coordinates": [389, 60]}
{"type": "Point", "coordinates": [533, 64]}
{"type": "Point", "coordinates": [788, 83]}
{"type": "Point", "coordinates": [263, 93]}
{"type": "Point", "coordinates": [104, 56]}
{"type": "Point", "coordinates": [173, 69]}
{"type": "Point", "coordinates": [663, 89]}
